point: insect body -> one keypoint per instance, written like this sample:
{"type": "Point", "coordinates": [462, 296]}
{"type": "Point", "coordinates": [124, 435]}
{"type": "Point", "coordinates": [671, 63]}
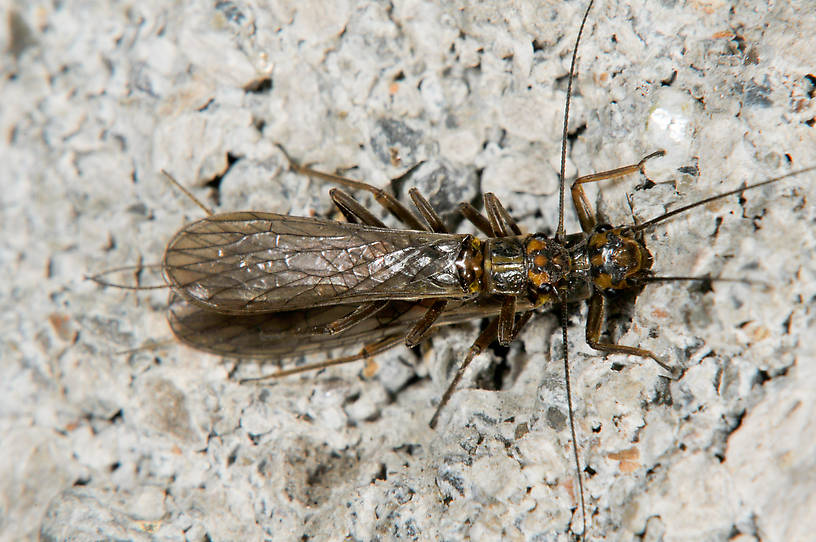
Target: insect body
{"type": "Point", "coordinates": [243, 264]}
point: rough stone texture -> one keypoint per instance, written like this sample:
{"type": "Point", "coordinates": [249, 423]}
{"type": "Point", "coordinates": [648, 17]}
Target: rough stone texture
{"type": "Point", "coordinates": [164, 443]}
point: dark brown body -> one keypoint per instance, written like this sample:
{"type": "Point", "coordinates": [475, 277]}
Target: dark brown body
{"type": "Point", "coordinates": [264, 276]}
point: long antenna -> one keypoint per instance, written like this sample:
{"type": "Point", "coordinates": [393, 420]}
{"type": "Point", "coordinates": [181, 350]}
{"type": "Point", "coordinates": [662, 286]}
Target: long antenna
{"type": "Point", "coordinates": [684, 208]}
{"type": "Point", "coordinates": [562, 187]}
{"type": "Point", "coordinates": [560, 236]}
{"type": "Point", "coordinates": [563, 318]}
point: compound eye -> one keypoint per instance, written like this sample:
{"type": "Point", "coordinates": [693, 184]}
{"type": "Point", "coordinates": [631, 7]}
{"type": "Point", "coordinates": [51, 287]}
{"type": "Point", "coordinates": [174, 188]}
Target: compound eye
{"type": "Point", "coordinates": [600, 228]}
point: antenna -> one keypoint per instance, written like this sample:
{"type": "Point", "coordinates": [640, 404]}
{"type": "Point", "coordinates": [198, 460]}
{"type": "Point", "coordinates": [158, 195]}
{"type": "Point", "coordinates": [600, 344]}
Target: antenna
{"type": "Point", "coordinates": [560, 236]}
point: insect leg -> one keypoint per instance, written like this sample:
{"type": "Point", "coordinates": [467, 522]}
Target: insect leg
{"type": "Point", "coordinates": [509, 325]}
{"type": "Point", "coordinates": [366, 310]}
{"type": "Point", "coordinates": [505, 216]}
{"type": "Point", "coordinates": [427, 211]}
{"type": "Point", "coordinates": [595, 318]}
{"type": "Point", "coordinates": [521, 321]}
{"type": "Point", "coordinates": [482, 341]}
{"type": "Point", "coordinates": [367, 351]}
{"type": "Point", "coordinates": [507, 320]}
{"type": "Point", "coordinates": [389, 202]}
{"type": "Point", "coordinates": [423, 326]}
{"type": "Point", "coordinates": [352, 209]}
{"type": "Point", "coordinates": [476, 218]}
{"type": "Point", "coordinates": [188, 193]}
{"type": "Point", "coordinates": [500, 219]}
{"type": "Point", "coordinates": [585, 214]}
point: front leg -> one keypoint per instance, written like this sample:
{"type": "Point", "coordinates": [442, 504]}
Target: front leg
{"type": "Point", "coordinates": [586, 215]}
{"type": "Point", "coordinates": [595, 319]}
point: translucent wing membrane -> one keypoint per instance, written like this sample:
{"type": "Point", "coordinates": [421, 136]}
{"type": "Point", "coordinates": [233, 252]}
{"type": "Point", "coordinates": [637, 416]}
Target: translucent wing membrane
{"type": "Point", "coordinates": [283, 335]}
{"type": "Point", "coordinates": [242, 262]}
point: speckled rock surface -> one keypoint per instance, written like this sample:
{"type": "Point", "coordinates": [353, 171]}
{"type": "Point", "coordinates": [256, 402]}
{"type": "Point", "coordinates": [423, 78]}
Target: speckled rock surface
{"type": "Point", "coordinates": [101, 438]}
